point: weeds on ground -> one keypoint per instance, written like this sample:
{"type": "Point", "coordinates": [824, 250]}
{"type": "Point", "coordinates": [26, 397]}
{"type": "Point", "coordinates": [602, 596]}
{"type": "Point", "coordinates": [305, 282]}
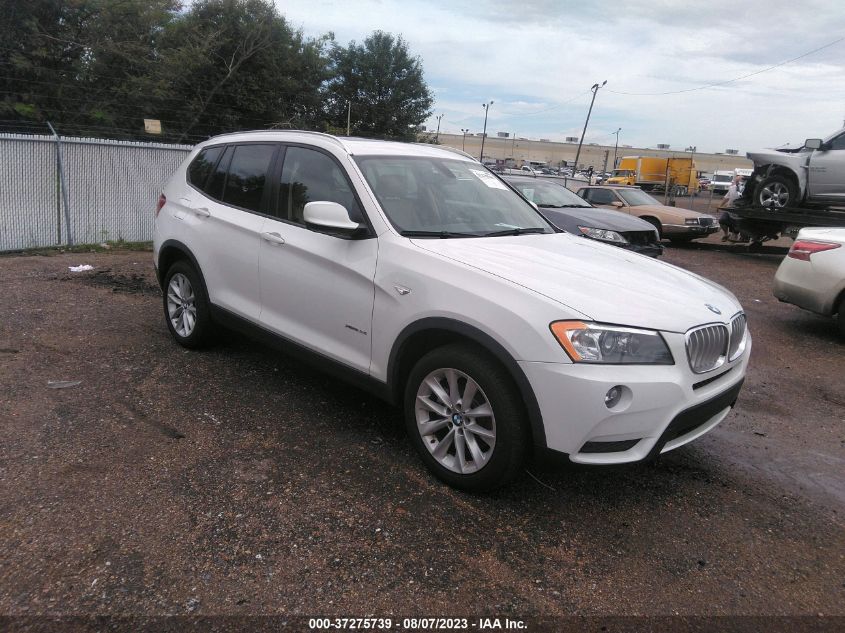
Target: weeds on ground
{"type": "Point", "coordinates": [102, 247]}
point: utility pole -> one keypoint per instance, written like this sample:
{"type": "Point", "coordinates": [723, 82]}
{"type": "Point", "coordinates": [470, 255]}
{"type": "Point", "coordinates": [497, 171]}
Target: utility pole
{"type": "Point", "coordinates": [464, 141]}
{"type": "Point", "coordinates": [486, 107]}
{"type": "Point", "coordinates": [616, 147]}
{"type": "Point", "coordinates": [693, 170]}
{"type": "Point", "coordinates": [595, 89]}
{"type": "Point", "coordinates": [437, 135]}
{"type": "Point", "coordinates": [348, 118]}
{"type": "Point", "coordinates": [513, 143]}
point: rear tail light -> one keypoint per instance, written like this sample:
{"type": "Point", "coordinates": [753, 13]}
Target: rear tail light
{"type": "Point", "coordinates": [803, 249]}
{"type": "Point", "coordinates": [162, 200]}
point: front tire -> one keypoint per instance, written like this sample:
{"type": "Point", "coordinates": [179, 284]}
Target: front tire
{"type": "Point", "coordinates": [186, 308]}
{"type": "Point", "coordinates": [775, 192]}
{"type": "Point", "coordinates": [656, 224]}
{"type": "Point", "coordinates": [840, 317]}
{"type": "Point", "coordinates": [465, 418]}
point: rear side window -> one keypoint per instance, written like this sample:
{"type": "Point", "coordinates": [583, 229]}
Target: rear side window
{"type": "Point", "coordinates": [247, 175]}
{"type": "Point", "coordinates": [200, 169]}
{"type": "Point", "coordinates": [311, 176]}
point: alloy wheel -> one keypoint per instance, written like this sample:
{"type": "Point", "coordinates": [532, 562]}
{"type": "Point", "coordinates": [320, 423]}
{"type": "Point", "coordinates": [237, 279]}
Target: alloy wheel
{"type": "Point", "coordinates": [181, 307]}
{"type": "Point", "coordinates": [455, 420]}
{"type": "Point", "coordinates": [775, 195]}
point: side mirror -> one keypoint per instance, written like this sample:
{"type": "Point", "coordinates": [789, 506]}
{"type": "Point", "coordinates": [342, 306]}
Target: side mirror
{"type": "Point", "coordinates": [813, 143]}
{"type": "Point", "coordinates": [617, 204]}
{"type": "Point", "coordinates": [329, 216]}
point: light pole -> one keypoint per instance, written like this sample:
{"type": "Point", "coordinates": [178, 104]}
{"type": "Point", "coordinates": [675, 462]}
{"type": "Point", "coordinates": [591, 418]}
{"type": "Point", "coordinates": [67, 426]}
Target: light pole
{"type": "Point", "coordinates": [486, 107]}
{"type": "Point", "coordinates": [595, 89]}
{"type": "Point", "coordinates": [437, 135]}
{"type": "Point", "coordinates": [616, 147]}
{"type": "Point", "coordinates": [464, 141]}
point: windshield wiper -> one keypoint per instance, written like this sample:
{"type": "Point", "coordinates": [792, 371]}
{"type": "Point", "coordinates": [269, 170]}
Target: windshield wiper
{"type": "Point", "coordinates": [564, 206]}
{"type": "Point", "coordinates": [517, 230]}
{"type": "Point", "coordinates": [441, 234]}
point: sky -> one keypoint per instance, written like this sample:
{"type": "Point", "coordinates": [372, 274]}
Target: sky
{"type": "Point", "coordinates": [537, 59]}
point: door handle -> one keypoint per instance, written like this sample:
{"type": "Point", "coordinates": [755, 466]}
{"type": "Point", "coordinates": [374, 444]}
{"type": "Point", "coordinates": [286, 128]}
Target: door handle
{"type": "Point", "coordinates": [202, 212]}
{"type": "Point", "coordinates": [273, 238]}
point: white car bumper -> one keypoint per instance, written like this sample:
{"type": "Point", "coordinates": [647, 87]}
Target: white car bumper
{"type": "Point", "coordinates": [665, 406]}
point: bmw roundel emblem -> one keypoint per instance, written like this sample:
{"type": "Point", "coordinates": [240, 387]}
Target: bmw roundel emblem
{"type": "Point", "coordinates": [713, 309]}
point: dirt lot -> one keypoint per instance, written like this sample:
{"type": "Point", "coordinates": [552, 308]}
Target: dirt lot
{"type": "Point", "coordinates": [235, 481]}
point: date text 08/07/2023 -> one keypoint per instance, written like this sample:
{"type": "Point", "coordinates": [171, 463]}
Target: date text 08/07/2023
{"type": "Point", "coordinates": [415, 624]}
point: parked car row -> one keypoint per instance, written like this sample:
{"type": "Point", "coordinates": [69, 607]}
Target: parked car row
{"type": "Point", "coordinates": [675, 223]}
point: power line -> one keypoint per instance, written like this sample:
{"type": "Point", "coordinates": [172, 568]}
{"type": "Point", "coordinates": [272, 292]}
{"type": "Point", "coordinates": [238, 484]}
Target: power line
{"type": "Point", "coordinates": [722, 83]}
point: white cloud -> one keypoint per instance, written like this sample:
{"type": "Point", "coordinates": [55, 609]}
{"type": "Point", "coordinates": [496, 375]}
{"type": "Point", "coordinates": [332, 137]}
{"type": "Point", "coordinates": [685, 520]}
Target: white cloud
{"type": "Point", "coordinates": [535, 55]}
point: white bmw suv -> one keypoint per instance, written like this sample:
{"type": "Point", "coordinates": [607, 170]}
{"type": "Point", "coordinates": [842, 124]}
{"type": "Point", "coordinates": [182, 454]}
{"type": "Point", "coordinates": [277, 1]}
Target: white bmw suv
{"type": "Point", "coordinates": [417, 273]}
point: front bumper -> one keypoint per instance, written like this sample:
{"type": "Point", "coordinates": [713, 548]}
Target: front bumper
{"type": "Point", "coordinates": [651, 250]}
{"type": "Point", "coordinates": [689, 230]}
{"type": "Point", "coordinates": [666, 406]}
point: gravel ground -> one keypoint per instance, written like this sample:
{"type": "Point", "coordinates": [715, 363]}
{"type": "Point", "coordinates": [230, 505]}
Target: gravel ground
{"type": "Point", "coordinates": [235, 481]}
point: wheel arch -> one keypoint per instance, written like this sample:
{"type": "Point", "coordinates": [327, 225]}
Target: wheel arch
{"type": "Point", "coordinates": [169, 253]}
{"type": "Point", "coordinates": [786, 172]}
{"type": "Point", "coordinates": [655, 221]}
{"type": "Point", "coordinates": [426, 334]}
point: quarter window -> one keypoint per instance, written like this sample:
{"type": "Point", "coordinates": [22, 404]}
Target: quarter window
{"type": "Point", "coordinates": [201, 167]}
{"type": "Point", "coordinates": [311, 176]}
{"type": "Point", "coordinates": [214, 186]}
{"type": "Point", "coordinates": [247, 176]}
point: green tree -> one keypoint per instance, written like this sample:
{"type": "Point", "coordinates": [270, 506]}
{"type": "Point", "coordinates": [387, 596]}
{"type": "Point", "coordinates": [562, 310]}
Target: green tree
{"type": "Point", "coordinates": [237, 64]}
{"type": "Point", "coordinates": [75, 62]}
{"type": "Point", "coordinates": [384, 84]}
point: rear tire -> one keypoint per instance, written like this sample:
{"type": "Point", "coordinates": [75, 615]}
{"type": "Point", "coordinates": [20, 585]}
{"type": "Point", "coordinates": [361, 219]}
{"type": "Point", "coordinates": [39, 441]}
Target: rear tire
{"type": "Point", "coordinates": [840, 317]}
{"type": "Point", "coordinates": [470, 452]}
{"type": "Point", "coordinates": [186, 308]}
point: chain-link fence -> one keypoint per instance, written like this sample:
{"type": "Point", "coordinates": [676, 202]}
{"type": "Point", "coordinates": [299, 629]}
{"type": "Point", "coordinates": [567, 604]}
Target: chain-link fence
{"type": "Point", "coordinates": [111, 189]}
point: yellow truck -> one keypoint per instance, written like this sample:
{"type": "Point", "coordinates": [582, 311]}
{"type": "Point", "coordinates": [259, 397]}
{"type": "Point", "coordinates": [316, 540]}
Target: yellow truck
{"type": "Point", "coordinates": [653, 172]}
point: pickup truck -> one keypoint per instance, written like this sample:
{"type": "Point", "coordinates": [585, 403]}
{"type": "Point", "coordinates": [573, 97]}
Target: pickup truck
{"type": "Point", "coordinates": [810, 175]}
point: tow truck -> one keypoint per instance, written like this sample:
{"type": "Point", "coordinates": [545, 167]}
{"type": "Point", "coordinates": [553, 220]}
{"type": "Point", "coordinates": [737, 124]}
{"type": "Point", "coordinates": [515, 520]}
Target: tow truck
{"type": "Point", "coordinates": [791, 189]}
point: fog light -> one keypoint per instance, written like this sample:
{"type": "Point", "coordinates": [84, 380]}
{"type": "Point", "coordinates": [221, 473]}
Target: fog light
{"type": "Point", "coordinates": [613, 396]}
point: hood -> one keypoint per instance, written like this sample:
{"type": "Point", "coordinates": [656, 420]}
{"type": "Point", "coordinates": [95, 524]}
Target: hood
{"type": "Point", "coordinates": [606, 283]}
{"type": "Point", "coordinates": [661, 208]}
{"type": "Point", "coordinates": [569, 218]}
{"type": "Point", "coordinates": [792, 159]}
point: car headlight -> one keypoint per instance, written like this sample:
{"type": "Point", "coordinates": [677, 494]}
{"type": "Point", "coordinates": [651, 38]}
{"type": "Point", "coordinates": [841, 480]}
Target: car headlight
{"type": "Point", "coordinates": [603, 234]}
{"type": "Point", "coordinates": [597, 343]}
{"type": "Point", "coordinates": [692, 221]}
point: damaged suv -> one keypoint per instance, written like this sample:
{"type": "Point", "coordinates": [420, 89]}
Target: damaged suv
{"type": "Point", "coordinates": [811, 174]}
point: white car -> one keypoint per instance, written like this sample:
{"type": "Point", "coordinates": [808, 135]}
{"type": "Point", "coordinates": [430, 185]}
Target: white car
{"type": "Point", "coordinates": [812, 275]}
{"type": "Point", "coordinates": [417, 273]}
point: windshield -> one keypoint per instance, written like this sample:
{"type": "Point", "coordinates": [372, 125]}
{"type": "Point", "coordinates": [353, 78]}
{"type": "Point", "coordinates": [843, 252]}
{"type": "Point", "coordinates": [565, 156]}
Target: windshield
{"type": "Point", "coordinates": [547, 194]}
{"type": "Point", "coordinates": [441, 197]}
{"type": "Point", "coordinates": [722, 177]}
{"type": "Point", "coordinates": [636, 197]}
{"type": "Point", "coordinates": [623, 172]}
